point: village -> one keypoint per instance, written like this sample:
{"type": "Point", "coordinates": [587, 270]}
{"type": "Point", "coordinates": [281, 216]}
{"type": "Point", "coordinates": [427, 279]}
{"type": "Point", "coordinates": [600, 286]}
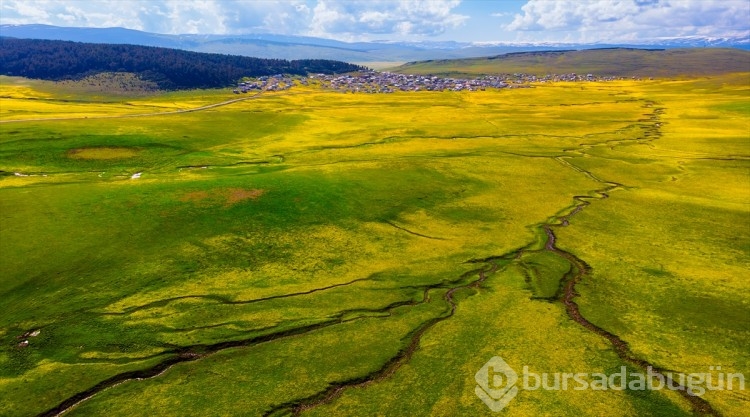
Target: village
{"type": "Point", "coordinates": [388, 82]}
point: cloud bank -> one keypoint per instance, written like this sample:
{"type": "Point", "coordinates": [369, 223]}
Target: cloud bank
{"type": "Point", "coordinates": [630, 20]}
{"type": "Point", "coordinates": [534, 20]}
{"type": "Point", "coordinates": [349, 20]}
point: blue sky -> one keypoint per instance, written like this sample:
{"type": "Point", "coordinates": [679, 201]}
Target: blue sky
{"type": "Point", "coordinates": [402, 20]}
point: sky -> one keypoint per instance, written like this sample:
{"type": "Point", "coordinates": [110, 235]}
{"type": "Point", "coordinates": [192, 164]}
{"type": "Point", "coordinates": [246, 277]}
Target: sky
{"type": "Point", "coordinates": [559, 21]}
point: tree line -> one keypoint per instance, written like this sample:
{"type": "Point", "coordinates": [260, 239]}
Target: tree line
{"type": "Point", "coordinates": [170, 69]}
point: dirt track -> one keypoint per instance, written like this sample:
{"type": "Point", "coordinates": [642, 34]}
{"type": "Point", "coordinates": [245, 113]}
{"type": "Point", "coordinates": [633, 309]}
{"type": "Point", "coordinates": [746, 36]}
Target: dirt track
{"type": "Point", "coordinates": [124, 116]}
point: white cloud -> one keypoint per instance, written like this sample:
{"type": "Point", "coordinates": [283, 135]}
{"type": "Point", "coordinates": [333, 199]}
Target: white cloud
{"type": "Point", "coordinates": [341, 19]}
{"type": "Point", "coordinates": [364, 19]}
{"type": "Point", "coordinates": [538, 20]}
{"type": "Point", "coordinates": [628, 20]}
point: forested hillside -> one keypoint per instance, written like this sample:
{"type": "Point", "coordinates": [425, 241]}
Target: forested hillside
{"type": "Point", "coordinates": [169, 68]}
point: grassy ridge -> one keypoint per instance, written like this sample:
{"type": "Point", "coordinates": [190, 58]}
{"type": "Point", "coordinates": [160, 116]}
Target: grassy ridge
{"type": "Point", "coordinates": [616, 62]}
{"type": "Point", "coordinates": [355, 215]}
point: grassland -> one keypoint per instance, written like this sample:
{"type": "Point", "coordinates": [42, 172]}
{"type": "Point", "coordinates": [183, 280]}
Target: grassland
{"type": "Point", "coordinates": [341, 254]}
{"type": "Point", "coordinates": [618, 62]}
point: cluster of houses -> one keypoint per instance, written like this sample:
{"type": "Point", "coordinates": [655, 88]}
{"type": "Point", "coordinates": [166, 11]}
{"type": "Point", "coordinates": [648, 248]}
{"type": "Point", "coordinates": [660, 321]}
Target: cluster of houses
{"type": "Point", "coordinates": [388, 82]}
{"type": "Point", "coordinates": [566, 77]}
{"type": "Point", "coordinates": [265, 83]}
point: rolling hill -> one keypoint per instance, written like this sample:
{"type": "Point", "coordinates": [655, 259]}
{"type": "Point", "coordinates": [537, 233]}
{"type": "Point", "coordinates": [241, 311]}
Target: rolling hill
{"type": "Point", "coordinates": [620, 62]}
{"type": "Point", "coordinates": [169, 68]}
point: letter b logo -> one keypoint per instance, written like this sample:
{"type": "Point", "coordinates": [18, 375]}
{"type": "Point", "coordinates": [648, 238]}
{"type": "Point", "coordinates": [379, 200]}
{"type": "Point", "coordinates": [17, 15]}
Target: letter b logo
{"type": "Point", "coordinates": [496, 384]}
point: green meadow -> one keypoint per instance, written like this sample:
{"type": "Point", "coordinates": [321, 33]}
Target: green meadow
{"type": "Point", "coordinates": [319, 253]}
{"type": "Point", "coordinates": [619, 62]}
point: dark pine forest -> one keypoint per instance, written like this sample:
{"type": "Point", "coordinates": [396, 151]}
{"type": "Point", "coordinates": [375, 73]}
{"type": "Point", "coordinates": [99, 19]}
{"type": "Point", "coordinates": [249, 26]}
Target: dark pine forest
{"type": "Point", "coordinates": [170, 69]}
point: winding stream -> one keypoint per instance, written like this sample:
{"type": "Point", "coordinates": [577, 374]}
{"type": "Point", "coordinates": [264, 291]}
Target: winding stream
{"type": "Point", "coordinates": [578, 271]}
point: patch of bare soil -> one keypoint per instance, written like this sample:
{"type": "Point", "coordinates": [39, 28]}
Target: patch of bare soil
{"type": "Point", "coordinates": [226, 196]}
{"type": "Point", "coordinates": [103, 152]}
{"type": "Point", "coordinates": [195, 196]}
{"type": "Point", "coordinates": [235, 195]}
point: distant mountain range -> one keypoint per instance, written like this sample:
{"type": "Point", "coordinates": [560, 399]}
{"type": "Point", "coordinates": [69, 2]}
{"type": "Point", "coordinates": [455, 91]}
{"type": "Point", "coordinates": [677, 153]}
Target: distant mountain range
{"type": "Point", "coordinates": [302, 47]}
